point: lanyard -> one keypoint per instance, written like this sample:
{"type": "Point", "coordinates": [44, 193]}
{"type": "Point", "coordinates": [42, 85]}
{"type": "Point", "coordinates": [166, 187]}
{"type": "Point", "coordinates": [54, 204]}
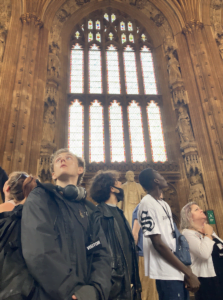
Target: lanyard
{"type": "Point", "coordinates": [169, 217]}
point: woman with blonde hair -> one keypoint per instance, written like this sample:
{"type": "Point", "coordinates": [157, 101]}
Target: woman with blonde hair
{"type": "Point", "coordinates": [206, 250]}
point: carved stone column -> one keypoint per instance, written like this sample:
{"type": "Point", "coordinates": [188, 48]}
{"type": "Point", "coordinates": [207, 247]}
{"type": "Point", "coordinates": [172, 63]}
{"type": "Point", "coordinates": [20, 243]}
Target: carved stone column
{"type": "Point", "coordinates": [48, 145]}
{"type": "Point", "coordinates": [188, 144]}
{"type": "Point", "coordinates": [19, 121]}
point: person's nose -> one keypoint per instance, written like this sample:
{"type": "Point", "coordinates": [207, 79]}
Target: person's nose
{"type": "Point", "coordinates": [62, 160]}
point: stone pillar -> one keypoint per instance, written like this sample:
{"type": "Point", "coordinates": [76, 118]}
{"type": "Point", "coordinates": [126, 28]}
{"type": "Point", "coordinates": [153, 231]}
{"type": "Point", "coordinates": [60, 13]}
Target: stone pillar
{"type": "Point", "coordinates": [188, 144]}
{"type": "Point", "coordinates": [19, 120]}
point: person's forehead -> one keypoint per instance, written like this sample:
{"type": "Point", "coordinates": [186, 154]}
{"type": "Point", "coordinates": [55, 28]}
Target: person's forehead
{"type": "Point", "coordinates": [63, 154]}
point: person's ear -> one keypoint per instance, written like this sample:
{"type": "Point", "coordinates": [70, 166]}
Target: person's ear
{"type": "Point", "coordinates": [156, 181]}
{"type": "Point", "coordinates": [113, 189]}
{"type": "Point", "coordinates": [80, 170]}
{"type": "Point", "coordinates": [7, 189]}
{"type": "Point", "coordinates": [54, 176]}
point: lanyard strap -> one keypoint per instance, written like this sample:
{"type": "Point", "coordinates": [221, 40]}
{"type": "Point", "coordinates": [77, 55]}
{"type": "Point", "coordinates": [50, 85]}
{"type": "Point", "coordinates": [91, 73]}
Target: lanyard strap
{"type": "Point", "coordinates": [168, 216]}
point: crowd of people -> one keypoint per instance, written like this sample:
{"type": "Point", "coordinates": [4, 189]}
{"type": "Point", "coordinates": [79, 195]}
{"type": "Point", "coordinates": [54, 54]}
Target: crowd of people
{"type": "Point", "coordinates": [55, 244]}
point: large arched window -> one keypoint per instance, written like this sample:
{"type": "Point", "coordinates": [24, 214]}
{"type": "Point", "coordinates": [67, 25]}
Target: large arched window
{"type": "Point", "coordinates": [114, 113]}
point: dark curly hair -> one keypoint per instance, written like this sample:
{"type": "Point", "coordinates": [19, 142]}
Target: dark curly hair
{"type": "Point", "coordinates": [101, 183]}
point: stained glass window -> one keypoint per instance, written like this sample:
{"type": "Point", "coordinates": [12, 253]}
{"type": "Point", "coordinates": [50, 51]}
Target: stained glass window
{"type": "Point", "coordinates": [98, 25]}
{"type": "Point", "coordinates": [95, 80]}
{"type": "Point", "coordinates": [76, 69]}
{"type": "Point", "coordinates": [113, 70]}
{"type": "Point", "coordinates": [90, 24]}
{"type": "Point", "coordinates": [143, 37]}
{"type": "Point", "coordinates": [110, 36]}
{"type": "Point", "coordinates": [123, 38]}
{"type": "Point", "coordinates": [122, 26]}
{"type": "Point", "coordinates": [77, 34]}
{"type": "Point", "coordinates": [113, 17]}
{"type": "Point", "coordinates": [156, 132]}
{"type": "Point", "coordinates": [131, 79]}
{"type": "Point", "coordinates": [106, 16]}
{"type": "Point", "coordinates": [131, 38]}
{"type": "Point", "coordinates": [98, 37]}
{"type": "Point", "coordinates": [136, 132]}
{"type": "Point", "coordinates": [148, 71]}
{"type": "Point", "coordinates": [76, 128]}
{"type": "Point", "coordinates": [130, 26]}
{"type": "Point", "coordinates": [96, 132]}
{"type": "Point", "coordinates": [116, 132]}
{"type": "Point", "coordinates": [90, 37]}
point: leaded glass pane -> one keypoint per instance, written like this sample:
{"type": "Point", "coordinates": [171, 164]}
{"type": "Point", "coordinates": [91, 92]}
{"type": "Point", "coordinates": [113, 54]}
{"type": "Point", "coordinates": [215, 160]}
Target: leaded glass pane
{"type": "Point", "coordinates": [130, 26]}
{"type": "Point", "coordinates": [113, 17]}
{"type": "Point", "coordinates": [123, 38]}
{"type": "Point", "coordinates": [98, 37]}
{"type": "Point", "coordinates": [156, 133]}
{"type": "Point", "coordinates": [90, 24]}
{"type": "Point", "coordinates": [90, 37]}
{"type": "Point", "coordinates": [96, 133]}
{"type": "Point", "coordinates": [76, 128]}
{"type": "Point", "coordinates": [131, 79]}
{"type": "Point", "coordinates": [98, 25]}
{"type": "Point", "coordinates": [110, 36]}
{"type": "Point", "coordinates": [116, 132]}
{"type": "Point", "coordinates": [95, 80]}
{"type": "Point", "coordinates": [131, 38]}
{"type": "Point", "coordinates": [76, 69]}
{"type": "Point", "coordinates": [136, 132]}
{"type": "Point", "coordinates": [113, 71]}
{"type": "Point", "coordinates": [106, 16]}
{"type": "Point", "coordinates": [143, 37]}
{"type": "Point", "coordinates": [148, 71]}
{"type": "Point", "coordinates": [122, 26]}
{"type": "Point", "coordinates": [77, 34]}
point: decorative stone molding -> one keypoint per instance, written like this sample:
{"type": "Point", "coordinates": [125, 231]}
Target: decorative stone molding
{"type": "Point", "coordinates": [28, 18]}
{"type": "Point", "coordinates": [5, 15]}
{"type": "Point", "coordinates": [192, 26]}
{"type": "Point", "coordinates": [216, 22]}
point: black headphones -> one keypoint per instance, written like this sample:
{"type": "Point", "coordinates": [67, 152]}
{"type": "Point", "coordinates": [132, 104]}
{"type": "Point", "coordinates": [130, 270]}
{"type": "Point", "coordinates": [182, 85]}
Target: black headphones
{"type": "Point", "coordinates": [72, 192]}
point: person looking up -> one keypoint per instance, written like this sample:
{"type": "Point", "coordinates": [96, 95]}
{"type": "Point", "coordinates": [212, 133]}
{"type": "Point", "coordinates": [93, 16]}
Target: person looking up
{"type": "Point", "coordinates": [105, 189]}
{"type": "Point", "coordinates": [13, 191]}
{"type": "Point", "coordinates": [159, 242]}
{"type": "Point", "coordinates": [206, 250]}
{"type": "Point", "coordinates": [66, 256]}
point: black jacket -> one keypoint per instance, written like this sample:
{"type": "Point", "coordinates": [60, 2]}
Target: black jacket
{"type": "Point", "coordinates": [121, 282]}
{"type": "Point", "coordinates": [54, 253]}
{"type": "Point", "coordinates": [3, 179]}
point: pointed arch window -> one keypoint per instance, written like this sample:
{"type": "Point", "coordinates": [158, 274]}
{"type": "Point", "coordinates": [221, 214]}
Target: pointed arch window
{"type": "Point", "coordinates": [96, 135]}
{"type": "Point", "coordinates": [112, 61]}
{"type": "Point", "coordinates": [156, 132]}
{"type": "Point", "coordinates": [76, 69]}
{"type": "Point", "coordinates": [76, 128]}
{"type": "Point", "coordinates": [116, 132]}
{"type": "Point", "coordinates": [95, 80]}
{"type": "Point", "coordinates": [136, 132]}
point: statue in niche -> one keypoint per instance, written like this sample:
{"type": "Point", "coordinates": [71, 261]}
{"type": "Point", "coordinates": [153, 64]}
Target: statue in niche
{"type": "Point", "coordinates": [197, 192]}
{"type": "Point", "coordinates": [49, 123]}
{"type": "Point", "coordinates": [173, 68]}
{"type": "Point", "coordinates": [53, 66]}
{"type": "Point", "coordinates": [220, 44]}
{"type": "Point", "coordinates": [44, 169]}
{"type": "Point", "coordinates": [133, 194]}
{"type": "Point", "coordinates": [184, 126]}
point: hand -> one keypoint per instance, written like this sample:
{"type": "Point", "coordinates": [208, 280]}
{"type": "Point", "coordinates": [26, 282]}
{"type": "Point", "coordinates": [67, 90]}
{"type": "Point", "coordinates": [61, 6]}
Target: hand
{"type": "Point", "coordinates": [192, 283]}
{"type": "Point", "coordinates": [74, 297]}
{"type": "Point", "coordinates": [208, 229]}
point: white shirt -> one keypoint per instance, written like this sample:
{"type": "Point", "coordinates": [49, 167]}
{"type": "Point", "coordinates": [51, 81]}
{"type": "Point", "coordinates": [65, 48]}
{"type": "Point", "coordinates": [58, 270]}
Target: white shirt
{"type": "Point", "coordinates": [201, 249]}
{"type": "Point", "coordinates": [154, 220]}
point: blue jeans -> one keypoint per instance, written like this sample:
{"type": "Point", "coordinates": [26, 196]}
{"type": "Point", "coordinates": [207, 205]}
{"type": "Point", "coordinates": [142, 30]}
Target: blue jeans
{"type": "Point", "coordinates": [171, 290]}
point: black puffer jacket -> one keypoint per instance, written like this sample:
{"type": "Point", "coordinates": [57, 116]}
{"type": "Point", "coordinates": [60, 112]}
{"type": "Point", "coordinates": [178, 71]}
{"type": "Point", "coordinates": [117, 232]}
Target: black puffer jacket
{"type": "Point", "coordinates": [55, 250]}
{"type": "Point", "coordinates": [121, 282]}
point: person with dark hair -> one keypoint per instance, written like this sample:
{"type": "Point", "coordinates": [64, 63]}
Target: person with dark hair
{"type": "Point", "coordinates": [106, 190]}
{"type": "Point", "coordinates": [3, 179]}
{"type": "Point", "coordinates": [159, 242]}
{"type": "Point", "coordinates": [65, 254]}
{"type": "Point", "coordinates": [13, 191]}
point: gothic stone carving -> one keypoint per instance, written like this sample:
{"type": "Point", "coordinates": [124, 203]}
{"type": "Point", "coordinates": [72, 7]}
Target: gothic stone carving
{"type": "Point", "coordinates": [5, 15]}
{"type": "Point", "coordinates": [216, 20]}
{"type": "Point", "coordinates": [184, 126]}
{"type": "Point", "coordinates": [192, 164]}
{"type": "Point", "coordinates": [44, 169]}
{"type": "Point", "coordinates": [197, 192]}
{"type": "Point", "coordinates": [170, 196]}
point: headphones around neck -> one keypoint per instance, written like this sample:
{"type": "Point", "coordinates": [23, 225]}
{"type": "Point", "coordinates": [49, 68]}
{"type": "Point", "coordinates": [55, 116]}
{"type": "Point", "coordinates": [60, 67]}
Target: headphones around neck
{"type": "Point", "coordinates": [72, 192]}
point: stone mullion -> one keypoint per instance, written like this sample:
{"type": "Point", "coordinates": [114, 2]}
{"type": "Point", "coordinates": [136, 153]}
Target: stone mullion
{"type": "Point", "coordinates": [148, 145]}
{"type": "Point", "coordinates": [106, 133]}
{"type": "Point", "coordinates": [194, 51]}
{"type": "Point", "coordinates": [86, 132]}
{"type": "Point", "coordinates": [16, 102]}
{"type": "Point", "coordinates": [139, 70]}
